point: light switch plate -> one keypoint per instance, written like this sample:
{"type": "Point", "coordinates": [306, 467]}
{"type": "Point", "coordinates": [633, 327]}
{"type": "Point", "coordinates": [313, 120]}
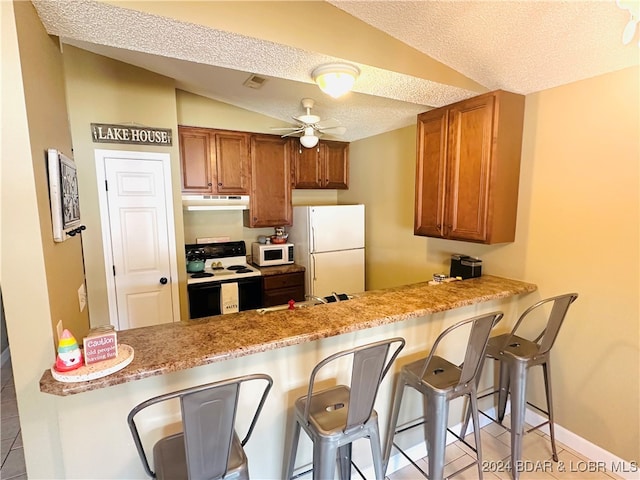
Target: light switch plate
{"type": "Point", "coordinates": [82, 297]}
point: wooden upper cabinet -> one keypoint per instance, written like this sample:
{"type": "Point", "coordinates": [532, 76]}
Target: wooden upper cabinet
{"type": "Point", "coordinates": [336, 165]}
{"type": "Point", "coordinates": [232, 172]}
{"type": "Point", "coordinates": [324, 166]}
{"type": "Point", "coordinates": [195, 160]}
{"type": "Point", "coordinates": [214, 161]}
{"type": "Point", "coordinates": [468, 168]}
{"type": "Point", "coordinates": [270, 196]}
{"type": "Point", "coordinates": [306, 165]}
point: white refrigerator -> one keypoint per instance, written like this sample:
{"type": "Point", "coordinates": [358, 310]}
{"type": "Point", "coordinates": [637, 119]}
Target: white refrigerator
{"type": "Point", "coordinates": [329, 242]}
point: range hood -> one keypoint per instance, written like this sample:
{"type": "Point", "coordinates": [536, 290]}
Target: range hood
{"type": "Point", "coordinates": [215, 202]}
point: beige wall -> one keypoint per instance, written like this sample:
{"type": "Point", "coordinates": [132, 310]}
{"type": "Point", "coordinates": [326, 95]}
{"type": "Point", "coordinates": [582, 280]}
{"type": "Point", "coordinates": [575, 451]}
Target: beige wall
{"type": "Point", "coordinates": [577, 231]}
{"type": "Point", "coordinates": [101, 90]}
{"type": "Point", "coordinates": [48, 128]}
{"type": "Point", "coordinates": [25, 270]}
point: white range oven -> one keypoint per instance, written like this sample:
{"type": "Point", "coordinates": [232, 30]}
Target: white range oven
{"type": "Point", "coordinates": [226, 283]}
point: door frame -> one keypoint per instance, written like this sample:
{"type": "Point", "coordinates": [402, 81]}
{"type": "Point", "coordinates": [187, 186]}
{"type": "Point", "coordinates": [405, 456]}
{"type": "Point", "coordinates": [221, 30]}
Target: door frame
{"type": "Point", "coordinates": [100, 157]}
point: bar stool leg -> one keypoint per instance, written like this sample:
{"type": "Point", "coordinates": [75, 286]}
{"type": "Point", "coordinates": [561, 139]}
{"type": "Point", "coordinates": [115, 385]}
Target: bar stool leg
{"type": "Point", "coordinates": [393, 420]}
{"type": "Point", "coordinates": [292, 450]}
{"type": "Point", "coordinates": [324, 460]}
{"type": "Point", "coordinates": [376, 452]}
{"type": "Point", "coordinates": [344, 460]}
{"type": "Point", "coordinates": [546, 369]}
{"type": "Point", "coordinates": [473, 400]}
{"type": "Point", "coordinates": [438, 414]}
{"type": "Point", "coordinates": [518, 406]}
{"type": "Point", "coordinates": [503, 391]}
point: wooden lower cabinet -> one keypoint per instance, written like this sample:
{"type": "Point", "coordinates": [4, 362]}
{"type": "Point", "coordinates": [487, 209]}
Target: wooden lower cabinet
{"type": "Point", "coordinates": [279, 289]}
{"type": "Point", "coordinates": [270, 196]}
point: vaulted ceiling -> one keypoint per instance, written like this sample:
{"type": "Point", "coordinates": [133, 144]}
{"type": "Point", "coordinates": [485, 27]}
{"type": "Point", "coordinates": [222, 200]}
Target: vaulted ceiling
{"type": "Point", "coordinates": [413, 55]}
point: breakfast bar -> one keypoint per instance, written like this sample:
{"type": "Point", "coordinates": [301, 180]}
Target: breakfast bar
{"type": "Point", "coordinates": [282, 343]}
{"type": "Point", "coordinates": [215, 339]}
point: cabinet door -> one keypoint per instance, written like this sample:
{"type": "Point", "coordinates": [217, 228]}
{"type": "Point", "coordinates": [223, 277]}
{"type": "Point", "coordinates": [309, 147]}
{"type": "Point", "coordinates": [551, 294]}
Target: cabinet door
{"type": "Point", "coordinates": [306, 166]}
{"type": "Point", "coordinates": [231, 163]}
{"type": "Point", "coordinates": [195, 160]}
{"type": "Point", "coordinates": [469, 168]}
{"type": "Point", "coordinates": [336, 165]}
{"type": "Point", "coordinates": [431, 168]}
{"type": "Point", "coordinates": [270, 203]}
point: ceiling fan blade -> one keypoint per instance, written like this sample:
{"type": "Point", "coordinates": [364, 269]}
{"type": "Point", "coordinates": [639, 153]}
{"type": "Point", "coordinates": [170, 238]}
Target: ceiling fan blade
{"type": "Point", "coordinates": [287, 128]}
{"type": "Point", "coordinates": [333, 130]}
{"type": "Point", "coordinates": [290, 133]}
{"type": "Point", "coordinates": [328, 123]}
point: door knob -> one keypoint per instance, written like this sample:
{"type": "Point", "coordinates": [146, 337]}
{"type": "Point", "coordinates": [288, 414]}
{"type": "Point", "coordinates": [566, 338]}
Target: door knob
{"type": "Point", "coordinates": [163, 280]}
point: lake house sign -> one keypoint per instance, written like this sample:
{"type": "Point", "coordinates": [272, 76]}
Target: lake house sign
{"type": "Point", "coordinates": [139, 135]}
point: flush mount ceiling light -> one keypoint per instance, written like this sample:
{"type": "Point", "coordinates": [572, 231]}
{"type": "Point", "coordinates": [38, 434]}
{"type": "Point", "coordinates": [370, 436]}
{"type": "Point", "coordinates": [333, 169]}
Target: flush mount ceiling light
{"type": "Point", "coordinates": [309, 139]}
{"type": "Point", "coordinates": [335, 79]}
{"type": "Point", "coordinates": [633, 6]}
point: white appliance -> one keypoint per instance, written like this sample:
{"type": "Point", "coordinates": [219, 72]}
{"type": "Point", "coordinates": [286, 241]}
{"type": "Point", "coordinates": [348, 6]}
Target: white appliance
{"type": "Point", "coordinates": [269, 254]}
{"type": "Point", "coordinates": [329, 243]}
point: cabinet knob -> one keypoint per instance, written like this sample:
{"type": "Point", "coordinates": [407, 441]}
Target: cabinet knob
{"type": "Point", "coordinates": [438, 226]}
{"type": "Point", "coordinates": [163, 280]}
{"type": "Point", "coordinates": [220, 184]}
{"type": "Point", "coordinates": [209, 184]}
{"type": "Point", "coordinates": [449, 226]}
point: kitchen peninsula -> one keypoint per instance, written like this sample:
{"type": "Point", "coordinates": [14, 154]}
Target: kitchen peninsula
{"type": "Point", "coordinates": [166, 348]}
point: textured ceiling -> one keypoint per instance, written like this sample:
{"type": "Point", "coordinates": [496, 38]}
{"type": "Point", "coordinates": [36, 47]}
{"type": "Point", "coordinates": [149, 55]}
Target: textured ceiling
{"type": "Point", "coordinates": [523, 46]}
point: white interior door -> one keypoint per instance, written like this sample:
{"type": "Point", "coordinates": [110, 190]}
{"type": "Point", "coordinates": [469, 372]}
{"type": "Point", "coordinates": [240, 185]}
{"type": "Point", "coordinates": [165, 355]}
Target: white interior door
{"type": "Point", "coordinates": [140, 232]}
{"type": "Point", "coordinates": [340, 272]}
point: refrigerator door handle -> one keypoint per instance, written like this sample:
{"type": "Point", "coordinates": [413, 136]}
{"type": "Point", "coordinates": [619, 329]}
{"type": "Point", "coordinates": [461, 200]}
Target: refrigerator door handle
{"type": "Point", "coordinates": [313, 239]}
{"type": "Point", "coordinates": [313, 259]}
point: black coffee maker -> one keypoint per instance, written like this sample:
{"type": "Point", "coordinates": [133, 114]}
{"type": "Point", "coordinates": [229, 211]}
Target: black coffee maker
{"type": "Point", "coordinates": [464, 266]}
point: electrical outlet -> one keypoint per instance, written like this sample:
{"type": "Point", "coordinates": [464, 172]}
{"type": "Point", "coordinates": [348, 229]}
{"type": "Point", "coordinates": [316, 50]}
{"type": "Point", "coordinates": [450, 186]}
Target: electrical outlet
{"type": "Point", "coordinates": [82, 297]}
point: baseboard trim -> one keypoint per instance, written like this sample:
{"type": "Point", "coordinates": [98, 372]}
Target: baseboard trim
{"type": "Point", "coordinates": [624, 469]}
{"type": "Point", "coordinates": [6, 355]}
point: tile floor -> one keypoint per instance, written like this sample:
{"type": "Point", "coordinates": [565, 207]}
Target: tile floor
{"type": "Point", "coordinates": [12, 452]}
{"type": "Point", "coordinates": [496, 440]}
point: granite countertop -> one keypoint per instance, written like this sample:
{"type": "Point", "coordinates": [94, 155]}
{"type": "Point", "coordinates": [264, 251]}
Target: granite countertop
{"type": "Point", "coordinates": [215, 339]}
{"type": "Point", "coordinates": [279, 269]}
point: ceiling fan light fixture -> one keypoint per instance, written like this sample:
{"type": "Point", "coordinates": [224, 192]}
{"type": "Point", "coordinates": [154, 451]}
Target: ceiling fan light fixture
{"type": "Point", "coordinates": [335, 79]}
{"type": "Point", "coordinates": [309, 139]}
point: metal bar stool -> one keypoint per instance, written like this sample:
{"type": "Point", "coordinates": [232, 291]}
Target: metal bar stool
{"type": "Point", "coordinates": [335, 417]}
{"type": "Point", "coordinates": [208, 448]}
{"type": "Point", "coordinates": [516, 356]}
{"type": "Point", "coordinates": [440, 381]}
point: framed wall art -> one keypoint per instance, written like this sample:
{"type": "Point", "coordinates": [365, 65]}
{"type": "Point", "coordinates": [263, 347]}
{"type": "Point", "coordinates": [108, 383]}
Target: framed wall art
{"type": "Point", "coordinates": [63, 194]}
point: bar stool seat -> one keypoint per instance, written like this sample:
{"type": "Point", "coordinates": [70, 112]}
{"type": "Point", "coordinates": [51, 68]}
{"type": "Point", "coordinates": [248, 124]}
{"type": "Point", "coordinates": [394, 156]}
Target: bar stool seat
{"type": "Point", "coordinates": [208, 448]}
{"type": "Point", "coordinates": [517, 355]}
{"type": "Point", "coordinates": [335, 417]}
{"type": "Point", "coordinates": [441, 381]}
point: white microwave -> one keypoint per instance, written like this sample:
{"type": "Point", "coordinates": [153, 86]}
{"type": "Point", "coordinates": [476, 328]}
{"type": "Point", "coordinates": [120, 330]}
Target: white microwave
{"type": "Point", "coordinates": [269, 254]}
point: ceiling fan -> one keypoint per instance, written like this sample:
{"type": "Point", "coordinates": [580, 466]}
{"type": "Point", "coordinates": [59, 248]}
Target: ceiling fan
{"type": "Point", "coordinates": [311, 126]}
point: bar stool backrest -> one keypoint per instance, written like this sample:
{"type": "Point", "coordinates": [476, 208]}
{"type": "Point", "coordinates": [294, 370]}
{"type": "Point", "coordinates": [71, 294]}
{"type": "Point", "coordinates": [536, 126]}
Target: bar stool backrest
{"type": "Point", "coordinates": [476, 345]}
{"type": "Point", "coordinates": [208, 419]}
{"type": "Point", "coordinates": [369, 367]}
{"type": "Point", "coordinates": [547, 337]}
